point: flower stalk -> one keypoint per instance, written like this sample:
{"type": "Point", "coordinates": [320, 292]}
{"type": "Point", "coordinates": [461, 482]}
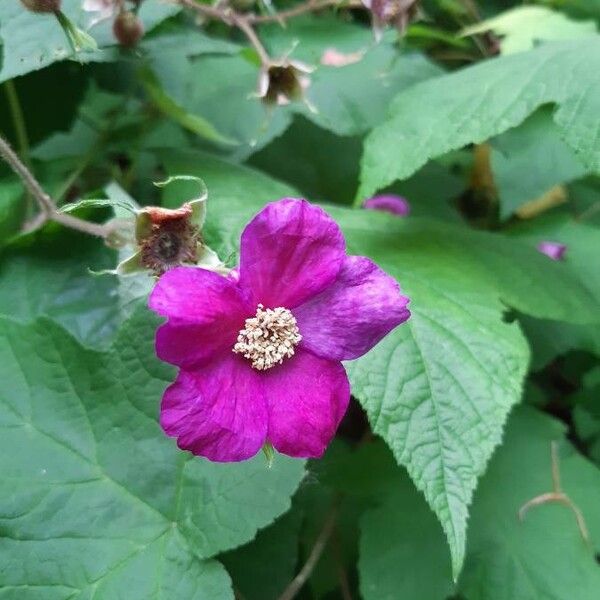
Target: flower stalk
{"type": "Point", "coordinates": [48, 210]}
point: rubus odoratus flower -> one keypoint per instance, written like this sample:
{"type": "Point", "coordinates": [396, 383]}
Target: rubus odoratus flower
{"type": "Point", "coordinates": [553, 250]}
{"type": "Point", "coordinates": [260, 353]}
{"type": "Point", "coordinates": [396, 205]}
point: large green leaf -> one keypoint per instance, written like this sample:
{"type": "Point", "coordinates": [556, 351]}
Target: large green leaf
{"type": "Point", "coordinates": [96, 500]}
{"type": "Point", "coordinates": [263, 568]}
{"type": "Point", "coordinates": [530, 159]}
{"type": "Point", "coordinates": [47, 274]}
{"type": "Point", "coordinates": [476, 103]}
{"type": "Point", "coordinates": [523, 27]}
{"type": "Point", "coordinates": [542, 557]}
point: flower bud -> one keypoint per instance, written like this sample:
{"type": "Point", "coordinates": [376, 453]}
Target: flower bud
{"type": "Point", "coordinates": [42, 6]}
{"type": "Point", "coordinates": [128, 29]}
{"type": "Point", "coordinates": [553, 250]}
{"type": "Point", "coordinates": [396, 205]}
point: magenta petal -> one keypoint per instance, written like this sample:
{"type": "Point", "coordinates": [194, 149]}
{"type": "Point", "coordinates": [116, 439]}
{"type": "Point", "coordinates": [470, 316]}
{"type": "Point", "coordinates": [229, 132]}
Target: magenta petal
{"type": "Point", "coordinates": [553, 250]}
{"type": "Point", "coordinates": [396, 205]}
{"type": "Point", "coordinates": [218, 412]}
{"type": "Point", "coordinates": [307, 397]}
{"type": "Point", "coordinates": [352, 315]}
{"type": "Point", "coordinates": [205, 310]}
{"type": "Point", "coordinates": [289, 252]}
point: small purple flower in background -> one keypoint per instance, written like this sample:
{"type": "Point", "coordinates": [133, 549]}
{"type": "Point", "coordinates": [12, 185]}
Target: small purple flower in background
{"type": "Point", "coordinates": [260, 354]}
{"type": "Point", "coordinates": [553, 250]}
{"type": "Point", "coordinates": [390, 203]}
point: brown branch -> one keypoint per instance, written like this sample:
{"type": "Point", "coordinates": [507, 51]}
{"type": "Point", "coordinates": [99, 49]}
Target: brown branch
{"type": "Point", "coordinates": [313, 558]}
{"type": "Point", "coordinates": [557, 495]}
{"type": "Point", "coordinates": [230, 17]}
{"type": "Point", "coordinates": [301, 9]}
{"type": "Point", "coordinates": [48, 209]}
{"type": "Point", "coordinates": [243, 25]}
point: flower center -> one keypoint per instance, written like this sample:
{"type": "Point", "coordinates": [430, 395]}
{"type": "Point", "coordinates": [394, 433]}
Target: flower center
{"type": "Point", "coordinates": [268, 338]}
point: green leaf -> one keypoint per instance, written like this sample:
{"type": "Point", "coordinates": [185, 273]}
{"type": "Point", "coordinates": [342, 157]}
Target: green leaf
{"type": "Point", "coordinates": [262, 569]}
{"type": "Point", "coordinates": [523, 27]}
{"type": "Point", "coordinates": [457, 113]}
{"type": "Point", "coordinates": [98, 500]}
{"type": "Point", "coordinates": [530, 159]}
{"type": "Point", "coordinates": [543, 556]}
{"type": "Point", "coordinates": [551, 338]}
{"type": "Point", "coordinates": [439, 388]}
{"type": "Point", "coordinates": [33, 41]}
{"type": "Point", "coordinates": [348, 100]}
{"type": "Point", "coordinates": [13, 209]}
{"type": "Point", "coordinates": [352, 99]}
{"type": "Point", "coordinates": [193, 122]}
{"type": "Point", "coordinates": [98, 203]}
{"type": "Point", "coordinates": [47, 274]}
{"type": "Point", "coordinates": [402, 552]}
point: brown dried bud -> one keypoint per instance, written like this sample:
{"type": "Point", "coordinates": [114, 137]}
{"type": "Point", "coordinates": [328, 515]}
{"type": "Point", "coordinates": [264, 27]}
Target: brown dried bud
{"type": "Point", "coordinates": [128, 29]}
{"type": "Point", "coordinates": [168, 238]}
{"type": "Point", "coordinates": [283, 81]}
{"type": "Point", "coordinates": [398, 13]}
{"type": "Point", "coordinates": [42, 6]}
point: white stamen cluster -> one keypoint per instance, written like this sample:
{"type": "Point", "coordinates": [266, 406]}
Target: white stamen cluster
{"type": "Point", "coordinates": [268, 338]}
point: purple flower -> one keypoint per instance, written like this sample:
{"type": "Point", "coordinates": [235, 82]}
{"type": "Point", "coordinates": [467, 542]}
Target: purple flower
{"type": "Point", "coordinates": [553, 250]}
{"type": "Point", "coordinates": [259, 354]}
{"type": "Point", "coordinates": [390, 203]}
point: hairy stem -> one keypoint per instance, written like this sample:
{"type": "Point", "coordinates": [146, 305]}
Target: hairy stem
{"type": "Point", "coordinates": [48, 209]}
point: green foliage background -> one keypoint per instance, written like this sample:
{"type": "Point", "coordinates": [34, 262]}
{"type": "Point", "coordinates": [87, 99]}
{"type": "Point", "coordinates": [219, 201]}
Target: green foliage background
{"type": "Point", "coordinates": [485, 117]}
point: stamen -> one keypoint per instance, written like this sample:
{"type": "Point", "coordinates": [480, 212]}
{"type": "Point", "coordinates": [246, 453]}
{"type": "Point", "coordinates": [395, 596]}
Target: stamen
{"type": "Point", "coordinates": [268, 338]}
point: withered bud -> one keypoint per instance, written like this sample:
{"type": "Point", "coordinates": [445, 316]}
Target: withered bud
{"type": "Point", "coordinates": [284, 81]}
{"type": "Point", "coordinates": [398, 13]}
{"type": "Point", "coordinates": [128, 29]}
{"type": "Point", "coordinates": [42, 6]}
{"type": "Point", "coordinates": [167, 238]}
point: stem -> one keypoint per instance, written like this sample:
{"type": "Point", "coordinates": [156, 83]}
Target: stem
{"type": "Point", "coordinates": [301, 9]}
{"type": "Point", "coordinates": [313, 558]}
{"type": "Point", "coordinates": [243, 25]}
{"type": "Point", "coordinates": [17, 118]}
{"type": "Point", "coordinates": [557, 495]}
{"type": "Point", "coordinates": [48, 209]}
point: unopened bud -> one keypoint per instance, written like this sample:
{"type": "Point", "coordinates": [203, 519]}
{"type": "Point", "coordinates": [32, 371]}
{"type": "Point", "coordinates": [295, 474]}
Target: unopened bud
{"type": "Point", "coordinates": [128, 29]}
{"type": "Point", "coordinates": [42, 6]}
